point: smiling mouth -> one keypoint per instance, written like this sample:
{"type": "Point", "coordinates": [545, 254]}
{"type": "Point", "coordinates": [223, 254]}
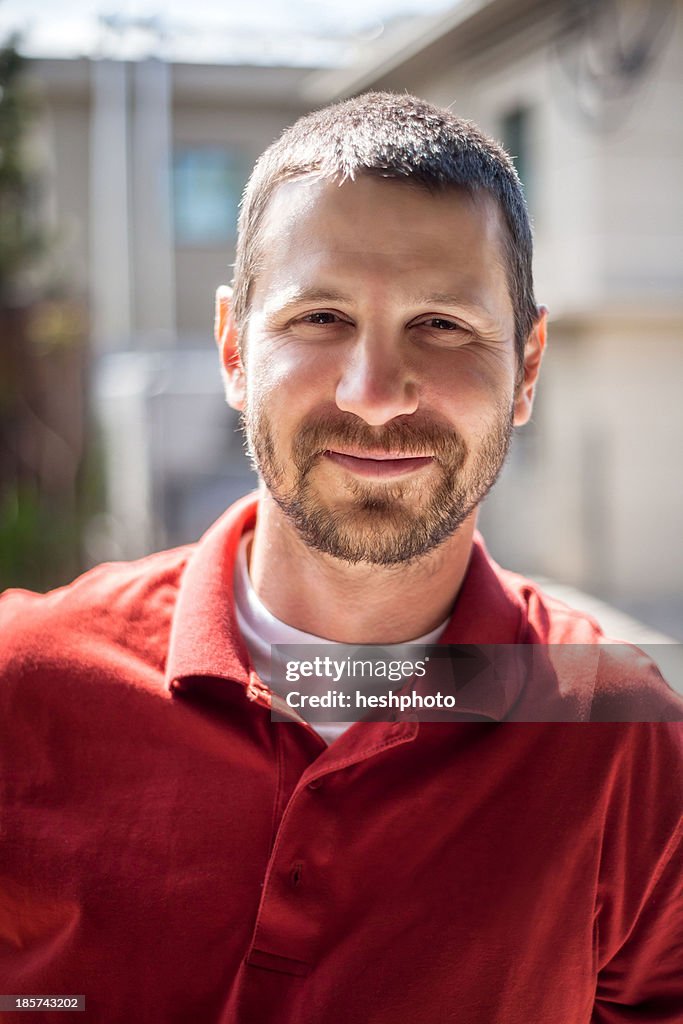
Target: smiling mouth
{"type": "Point", "coordinates": [380, 464]}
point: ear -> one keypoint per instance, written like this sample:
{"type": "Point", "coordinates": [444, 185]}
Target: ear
{"type": "Point", "coordinates": [225, 333]}
{"type": "Point", "coordinates": [533, 354]}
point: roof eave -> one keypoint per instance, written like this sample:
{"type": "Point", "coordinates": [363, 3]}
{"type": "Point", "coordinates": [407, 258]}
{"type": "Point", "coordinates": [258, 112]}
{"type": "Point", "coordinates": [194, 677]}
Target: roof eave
{"type": "Point", "coordinates": [326, 86]}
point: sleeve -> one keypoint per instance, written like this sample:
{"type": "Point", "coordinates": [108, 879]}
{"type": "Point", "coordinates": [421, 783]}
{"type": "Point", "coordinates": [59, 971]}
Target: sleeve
{"type": "Point", "coordinates": [639, 923]}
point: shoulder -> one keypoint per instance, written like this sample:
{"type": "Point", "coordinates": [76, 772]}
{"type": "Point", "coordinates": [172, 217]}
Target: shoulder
{"type": "Point", "coordinates": [615, 680]}
{"type": "Point", "coordinates": [547, 619]}
{"type": "Point", "coordinates": [119, 604]}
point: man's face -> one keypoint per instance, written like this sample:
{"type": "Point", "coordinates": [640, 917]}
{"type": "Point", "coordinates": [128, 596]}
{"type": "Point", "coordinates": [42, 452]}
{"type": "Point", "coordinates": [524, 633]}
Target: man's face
{"type": "Point", "coordinates": [379, 363]}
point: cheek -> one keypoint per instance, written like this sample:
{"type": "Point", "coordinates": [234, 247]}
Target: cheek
{"type": "Point", "coordinates": [467, 388]}
{"type": "Point", "coordinates": [294, 379]}
{"type": "Point", "coordinates": [265, 384]}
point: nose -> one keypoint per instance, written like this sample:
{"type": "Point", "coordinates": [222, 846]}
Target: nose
{"type": "Point", "coordinates": [376, 384]}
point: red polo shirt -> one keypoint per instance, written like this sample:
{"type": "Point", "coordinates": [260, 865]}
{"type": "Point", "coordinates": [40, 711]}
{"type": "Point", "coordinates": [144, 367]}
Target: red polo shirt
{"type": "Point", "coordinates": [171, 853]}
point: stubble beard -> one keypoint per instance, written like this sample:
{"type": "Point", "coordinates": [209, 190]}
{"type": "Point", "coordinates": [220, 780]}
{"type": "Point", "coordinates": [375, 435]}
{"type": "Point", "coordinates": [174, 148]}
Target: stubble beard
{"type": "Point", "coordinates": [378, 523]}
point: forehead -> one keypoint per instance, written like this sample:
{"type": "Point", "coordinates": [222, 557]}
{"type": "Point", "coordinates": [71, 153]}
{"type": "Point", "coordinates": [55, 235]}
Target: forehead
{"type": "Point", "coordinates": [382, 230]}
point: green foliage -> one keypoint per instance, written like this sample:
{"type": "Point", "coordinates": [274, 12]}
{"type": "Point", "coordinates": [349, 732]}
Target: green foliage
{"type": "Point", "coordinates": [34, 539]}
{"type": "Point", "coordinates": [20, 239]}
{"type": "Point", "coordinates": [46, 484]}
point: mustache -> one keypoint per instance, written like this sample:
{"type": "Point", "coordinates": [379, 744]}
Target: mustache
{"type": "Point", "coordinates": [407, 438]}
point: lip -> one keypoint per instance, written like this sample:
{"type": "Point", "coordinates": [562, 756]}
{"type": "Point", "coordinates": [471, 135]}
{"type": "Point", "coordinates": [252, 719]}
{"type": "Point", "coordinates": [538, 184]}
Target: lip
{"type": "Point", "coordinates": [379, 464]}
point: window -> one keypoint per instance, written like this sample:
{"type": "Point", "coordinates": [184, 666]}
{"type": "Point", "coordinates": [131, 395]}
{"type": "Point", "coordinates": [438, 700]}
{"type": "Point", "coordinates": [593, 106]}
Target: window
{"type": "Point", "coordinates": [207, 185]}
{"type": "Point", "coordinates": [516, 137]}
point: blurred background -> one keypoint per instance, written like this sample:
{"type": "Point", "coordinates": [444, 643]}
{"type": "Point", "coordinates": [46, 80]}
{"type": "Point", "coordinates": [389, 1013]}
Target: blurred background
{"type": "Point", "coordinates": [126, 136]}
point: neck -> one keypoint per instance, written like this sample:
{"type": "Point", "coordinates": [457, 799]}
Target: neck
{"type": "Point", "coordinates": [347, 603]}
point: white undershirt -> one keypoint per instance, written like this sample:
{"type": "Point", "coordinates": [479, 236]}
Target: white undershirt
{"type": "Point", "coordinates": [260, 629]}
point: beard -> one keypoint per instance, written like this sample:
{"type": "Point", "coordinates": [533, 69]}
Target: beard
{"type": "Point", "coordinates": [375, 522]}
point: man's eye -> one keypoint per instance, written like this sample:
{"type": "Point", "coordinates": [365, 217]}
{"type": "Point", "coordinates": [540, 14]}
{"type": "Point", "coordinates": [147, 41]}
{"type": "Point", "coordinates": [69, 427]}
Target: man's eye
{"type": "Point", "coordinates": [441, 324]}
{"type": "Point", "coordinates": [320, 318]}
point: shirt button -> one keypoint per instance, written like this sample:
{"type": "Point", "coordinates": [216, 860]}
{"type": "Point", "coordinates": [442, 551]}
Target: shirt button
{"type": "Point", "coordinates": [315, 783]}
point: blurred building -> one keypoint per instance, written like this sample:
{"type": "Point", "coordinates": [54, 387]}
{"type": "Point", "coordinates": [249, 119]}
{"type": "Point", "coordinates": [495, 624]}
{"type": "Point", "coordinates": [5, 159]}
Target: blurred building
{"type": "Point", "coordinates": [587, 97]}
{"type": "Point", "coordinates": [147, 161]}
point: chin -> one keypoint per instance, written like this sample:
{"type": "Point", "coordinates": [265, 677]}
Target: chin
{"type": "Point", "coordinates": [376, 532]}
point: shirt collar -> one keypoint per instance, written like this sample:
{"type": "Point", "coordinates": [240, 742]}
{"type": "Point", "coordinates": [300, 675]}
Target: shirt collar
{"type": "Point", "coordinates": [206, 643]}
{"type": "Point", "coordinates": [205, 638]}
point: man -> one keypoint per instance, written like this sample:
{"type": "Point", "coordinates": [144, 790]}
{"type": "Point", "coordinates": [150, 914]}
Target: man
{"type": "Point", "coordinates": [172, 852]}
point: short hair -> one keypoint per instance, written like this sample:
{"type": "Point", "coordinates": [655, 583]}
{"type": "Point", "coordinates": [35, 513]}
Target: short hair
{"type": "Point", "coordinates": [396, 136]}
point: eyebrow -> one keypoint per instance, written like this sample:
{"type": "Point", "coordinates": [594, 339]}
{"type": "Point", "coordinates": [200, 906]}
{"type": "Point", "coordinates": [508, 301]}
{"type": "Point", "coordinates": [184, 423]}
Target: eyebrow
{"type": "Point", "coordinates": [452, 299]}
{"type": "Point", "coordinates": [297, 295]}
{"type": "Point", "coordinates": [325, 295]}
